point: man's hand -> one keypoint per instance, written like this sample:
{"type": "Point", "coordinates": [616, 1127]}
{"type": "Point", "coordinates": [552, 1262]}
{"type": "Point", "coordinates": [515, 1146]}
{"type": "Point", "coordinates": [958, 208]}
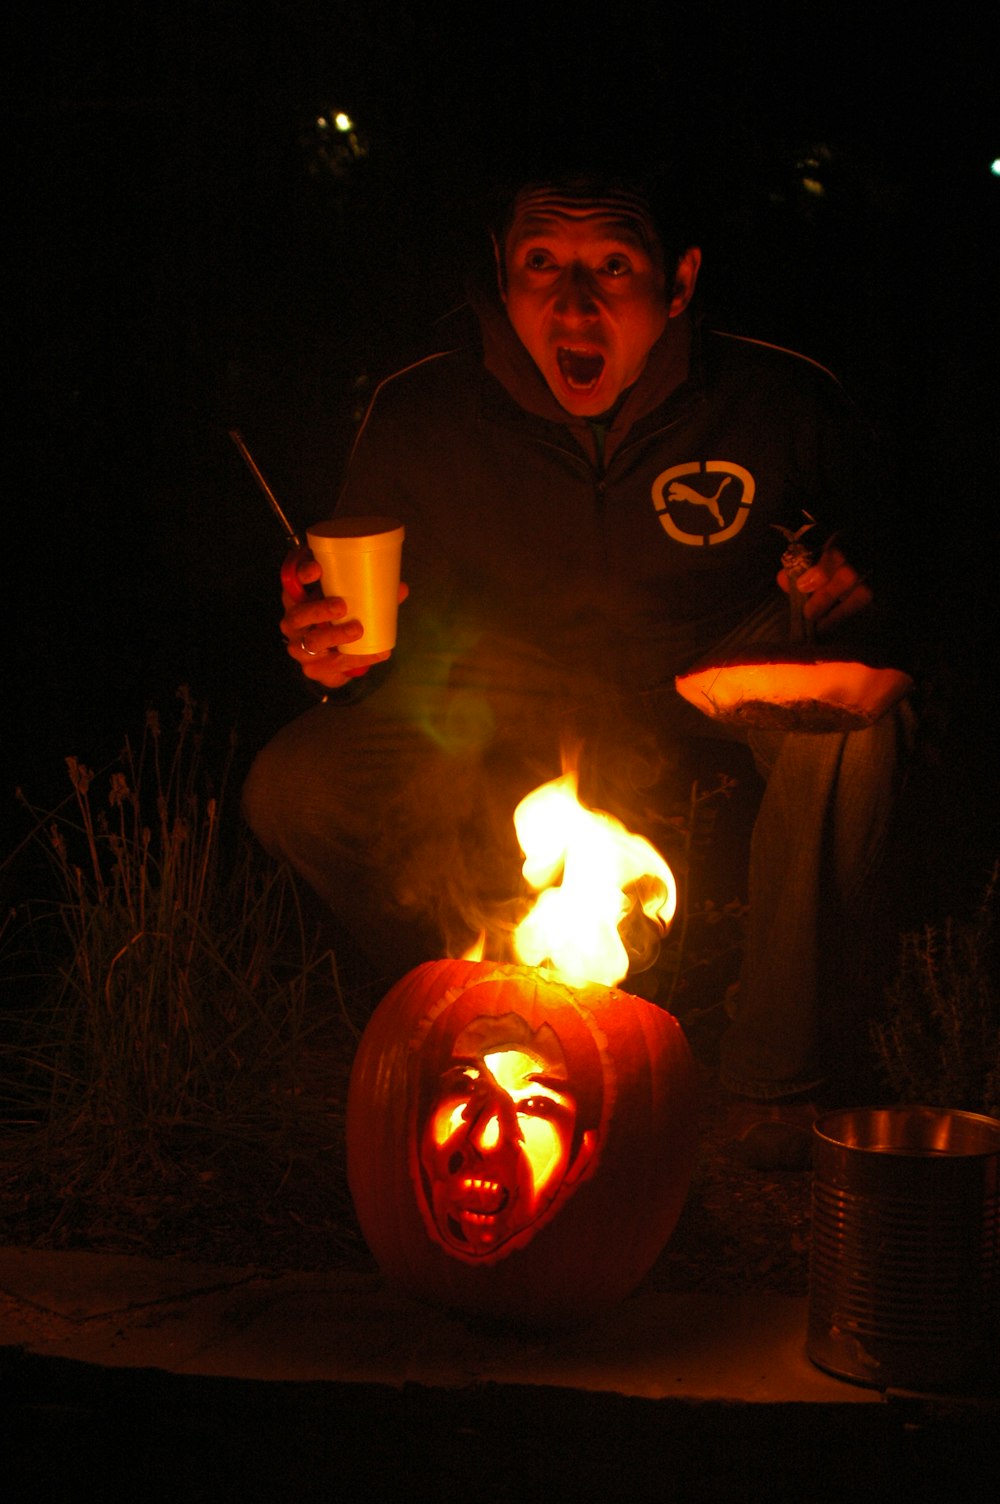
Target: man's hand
{"type": "Point", "coordinates": [315, 630]}
{"type": "Point", "coordinates": [834, 590]}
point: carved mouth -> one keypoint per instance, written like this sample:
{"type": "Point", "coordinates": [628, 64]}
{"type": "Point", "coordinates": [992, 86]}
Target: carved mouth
{"type": "Point", "coordinates": [477, 1207]}
{"type": "Point", "coordinates": [581, 367]}
{"type": "Point", "coordinates": [482, 1199]}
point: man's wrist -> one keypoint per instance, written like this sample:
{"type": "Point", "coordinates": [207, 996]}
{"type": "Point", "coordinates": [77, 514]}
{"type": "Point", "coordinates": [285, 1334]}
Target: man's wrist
{"type": "Point", "coordinates": [354, 690]}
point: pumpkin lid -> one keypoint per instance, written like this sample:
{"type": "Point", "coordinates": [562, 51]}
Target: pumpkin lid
{"type": "Point", "coordinates": [794, 687]}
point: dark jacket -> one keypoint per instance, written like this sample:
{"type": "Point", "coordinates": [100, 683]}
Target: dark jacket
{"type": "Point", "coordinates": [630, 552]}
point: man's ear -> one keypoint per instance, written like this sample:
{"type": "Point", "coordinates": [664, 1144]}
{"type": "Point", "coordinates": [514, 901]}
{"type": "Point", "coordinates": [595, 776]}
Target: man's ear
{"type": "Point", "coordinates": [685, 277]}
{"type": "Point", "coordinates": [501, 273]}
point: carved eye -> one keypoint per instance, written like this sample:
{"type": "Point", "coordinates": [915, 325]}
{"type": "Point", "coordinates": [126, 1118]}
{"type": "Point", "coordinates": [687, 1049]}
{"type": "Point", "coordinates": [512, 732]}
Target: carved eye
{"type": "Point", "coordinates": [539, 1107]}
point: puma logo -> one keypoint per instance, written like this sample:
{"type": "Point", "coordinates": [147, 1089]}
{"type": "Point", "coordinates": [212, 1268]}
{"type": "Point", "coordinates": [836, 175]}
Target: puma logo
{"type": "Point", "coordinates": [672, 486]}
{"type": "Point", "coordinates": [678, 491]}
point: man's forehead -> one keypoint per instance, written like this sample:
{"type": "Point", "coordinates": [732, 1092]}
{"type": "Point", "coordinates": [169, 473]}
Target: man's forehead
{"type": "Point", "coordinates": [614, 216]}
{"type": "Point", "coordinates": [604, 225]}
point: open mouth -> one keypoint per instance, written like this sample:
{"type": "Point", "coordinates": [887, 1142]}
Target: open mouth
{"type": "Point", "coordinates": [581, 368]}
{"type": "Point", "coordinates": [480, 1199]}
{"type": "Point", "coordinates": [476, 1208]}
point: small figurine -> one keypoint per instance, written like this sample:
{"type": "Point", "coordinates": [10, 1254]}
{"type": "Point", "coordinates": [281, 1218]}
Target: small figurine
{"type": "Point", "coordinates": [796, 559]}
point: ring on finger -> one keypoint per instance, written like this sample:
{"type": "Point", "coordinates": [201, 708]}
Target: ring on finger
{"type": "Point", "coordinates": [307, 649]}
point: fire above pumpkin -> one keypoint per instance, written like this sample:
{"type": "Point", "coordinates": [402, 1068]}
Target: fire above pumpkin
{"type": "Point", "coordinates": [591, 873]}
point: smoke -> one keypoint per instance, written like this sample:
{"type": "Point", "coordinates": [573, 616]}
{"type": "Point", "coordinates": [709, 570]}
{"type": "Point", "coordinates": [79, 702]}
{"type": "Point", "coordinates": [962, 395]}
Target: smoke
{"type": "Point", "coordinates": [449, 841]}
{"type": "Point", "coordinates": [454, 860]}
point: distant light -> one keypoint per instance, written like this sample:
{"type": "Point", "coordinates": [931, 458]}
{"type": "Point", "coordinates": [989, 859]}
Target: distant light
{"type": "Point", "coordinates": [995, 167]}
{"type": "Point", "coordinates": [814, 186]}
{"type": "Point", "coordinates": [343, 122]}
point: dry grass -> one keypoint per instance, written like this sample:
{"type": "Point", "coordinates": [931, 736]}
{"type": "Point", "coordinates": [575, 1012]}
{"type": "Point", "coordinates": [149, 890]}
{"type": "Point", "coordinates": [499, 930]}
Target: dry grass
{"type": "Point", "coordinates": [158, 991]}
{"type": "Point", "coordinates": [940, 1039]}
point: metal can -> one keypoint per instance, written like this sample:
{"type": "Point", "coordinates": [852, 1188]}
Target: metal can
{"type": "Point", "coordinates": [904, 1279]}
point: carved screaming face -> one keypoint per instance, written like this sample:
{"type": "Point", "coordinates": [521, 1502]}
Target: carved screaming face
{"type": "Point", "coordinates": [505, 1136]}
{"type": "Point", "coordinates": [518, 1147]}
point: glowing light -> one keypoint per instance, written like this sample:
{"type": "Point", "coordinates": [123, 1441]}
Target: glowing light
{"type": "Point", "coordinates": [574, 928]}
{"type": "Point", "coordinates": [343, 122]}
{"type": "Point", "coordinates": [995, 167]}
{"type": "Point", "coordinates": [497, 1146]}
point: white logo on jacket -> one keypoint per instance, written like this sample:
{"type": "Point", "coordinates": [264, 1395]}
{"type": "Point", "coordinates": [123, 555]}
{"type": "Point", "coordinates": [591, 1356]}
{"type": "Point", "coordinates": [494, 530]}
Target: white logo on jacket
{"type": "Point", "coordinates": [680, 500]}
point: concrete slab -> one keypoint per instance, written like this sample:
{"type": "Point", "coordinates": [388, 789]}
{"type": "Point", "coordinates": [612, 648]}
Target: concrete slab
{"type": "Point", "coordinates": [127, 1312]}
{"type": "Point", "coordinates": [233, 1384]}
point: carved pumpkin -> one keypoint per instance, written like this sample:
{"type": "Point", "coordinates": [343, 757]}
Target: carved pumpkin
{"type": "Point", "coordinates": [518, 1148]}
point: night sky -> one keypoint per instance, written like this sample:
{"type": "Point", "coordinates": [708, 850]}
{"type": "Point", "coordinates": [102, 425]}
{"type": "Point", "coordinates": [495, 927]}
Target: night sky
{"type": "Point", "coordinates": [185, 259]}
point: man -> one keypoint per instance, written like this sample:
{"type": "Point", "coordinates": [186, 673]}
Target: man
{"type": "Point", "coordinates": [590, 501]}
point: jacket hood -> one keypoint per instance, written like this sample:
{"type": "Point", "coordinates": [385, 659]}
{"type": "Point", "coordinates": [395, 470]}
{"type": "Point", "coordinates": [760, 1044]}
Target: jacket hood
{"type": "Point", "coordinates": [504, 356]}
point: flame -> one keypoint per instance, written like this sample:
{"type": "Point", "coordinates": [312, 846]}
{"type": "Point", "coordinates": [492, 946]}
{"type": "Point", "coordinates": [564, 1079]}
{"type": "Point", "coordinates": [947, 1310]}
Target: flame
{"type": "Point", "coordinates": [477, 950]}
{"type": "Point", "coordinates": [574, 928]}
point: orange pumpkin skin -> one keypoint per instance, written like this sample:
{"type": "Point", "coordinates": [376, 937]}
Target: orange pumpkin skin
{"type": "Point", "coordinates": [794, 689]}
{"type": "Point", "coordinates": [602, 1221]}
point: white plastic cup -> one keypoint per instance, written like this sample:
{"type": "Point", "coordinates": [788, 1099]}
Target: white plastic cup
{"type": "Point", "coordinates": [360, 559]}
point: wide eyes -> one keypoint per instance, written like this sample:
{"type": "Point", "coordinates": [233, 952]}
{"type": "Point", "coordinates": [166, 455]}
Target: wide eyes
{"type": "Point", "coordinates": [613, 266]}
{"type": "Point", "coordinates": [617, 266]}
{"type": "Point", "coordinates": [458, 1107]}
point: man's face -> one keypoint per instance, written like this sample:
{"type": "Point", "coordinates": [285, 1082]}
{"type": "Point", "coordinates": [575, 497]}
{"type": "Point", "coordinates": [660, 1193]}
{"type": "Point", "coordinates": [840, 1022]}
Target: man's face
{"type": "Point", "coordinates": [586, 293]}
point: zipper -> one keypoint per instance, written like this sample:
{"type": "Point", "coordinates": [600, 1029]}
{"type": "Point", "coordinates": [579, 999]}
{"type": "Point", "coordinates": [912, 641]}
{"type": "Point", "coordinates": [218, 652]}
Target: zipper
{"type": "Point", "coordinates": [627, 445]}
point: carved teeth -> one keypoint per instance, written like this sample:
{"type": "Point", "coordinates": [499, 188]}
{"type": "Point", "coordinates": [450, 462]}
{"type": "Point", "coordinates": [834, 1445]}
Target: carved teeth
{"type": "Point", "coordinates": [484, 1199]}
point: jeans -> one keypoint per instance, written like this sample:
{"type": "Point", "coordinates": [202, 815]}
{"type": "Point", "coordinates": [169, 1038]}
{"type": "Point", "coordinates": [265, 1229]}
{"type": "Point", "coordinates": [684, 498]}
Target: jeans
{"type": "Point", "coordinates": [398, 809]}
{"type": "Point", "coordinates": [819, 939]}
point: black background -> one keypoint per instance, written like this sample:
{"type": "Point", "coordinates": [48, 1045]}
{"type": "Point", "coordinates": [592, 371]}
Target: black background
{"type": "Point", "coordinates": [181, 260]}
